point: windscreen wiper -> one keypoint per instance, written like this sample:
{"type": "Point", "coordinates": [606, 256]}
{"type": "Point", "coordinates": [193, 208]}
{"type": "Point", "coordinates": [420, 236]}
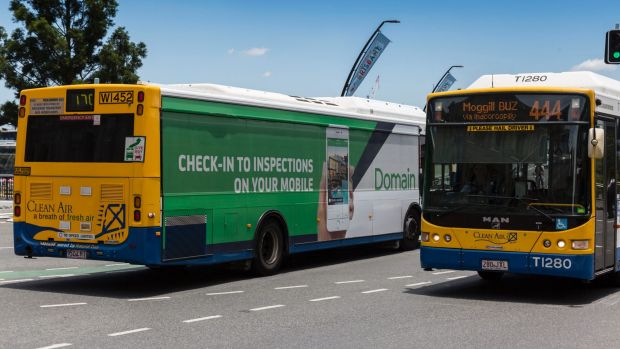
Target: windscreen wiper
{"type": "Point", "coordinates": [523, 199]}
{"type": "Point", "coordinates": [458, 208]}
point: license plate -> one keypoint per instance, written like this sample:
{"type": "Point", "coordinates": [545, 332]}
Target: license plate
{"type": "Point", "coordinates": [77, 254]}
{"type": "Point", "coordinates": [494, 265]}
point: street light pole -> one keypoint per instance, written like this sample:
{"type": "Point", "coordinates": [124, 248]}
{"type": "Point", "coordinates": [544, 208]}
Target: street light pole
{"type": "Point", "coordinates": [357, 60]}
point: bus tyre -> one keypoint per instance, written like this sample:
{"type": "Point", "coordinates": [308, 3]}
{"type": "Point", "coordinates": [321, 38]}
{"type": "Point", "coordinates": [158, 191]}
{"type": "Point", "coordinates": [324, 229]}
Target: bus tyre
{"type": "Point", "coordinates": [269, 251]}
{"type": "Point", "coordinates": [411, 231]}
{"type": "Point", "coordinates": [490, 275]}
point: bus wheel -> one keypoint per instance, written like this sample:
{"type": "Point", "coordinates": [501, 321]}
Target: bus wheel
{"type": "Point", "coordinates": [269, 251]}
{"type": "Point", "coordinates": [491, 275]}
{"type": "Point", "coordinates": [411, 231]}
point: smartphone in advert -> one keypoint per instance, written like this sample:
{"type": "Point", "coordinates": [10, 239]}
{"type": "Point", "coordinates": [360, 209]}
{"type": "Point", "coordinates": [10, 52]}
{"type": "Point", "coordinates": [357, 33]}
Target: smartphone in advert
{"type": "Point", "coordinates": [337, 182]}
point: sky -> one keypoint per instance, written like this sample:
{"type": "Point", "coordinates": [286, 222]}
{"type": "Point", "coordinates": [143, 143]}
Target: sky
{"type": "Point", "coordinates": [307, 48]}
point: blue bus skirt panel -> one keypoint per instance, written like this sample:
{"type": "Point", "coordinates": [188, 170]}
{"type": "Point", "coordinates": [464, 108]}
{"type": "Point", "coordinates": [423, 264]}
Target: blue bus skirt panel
{"type": "Point", "coordinates": [573, 266]}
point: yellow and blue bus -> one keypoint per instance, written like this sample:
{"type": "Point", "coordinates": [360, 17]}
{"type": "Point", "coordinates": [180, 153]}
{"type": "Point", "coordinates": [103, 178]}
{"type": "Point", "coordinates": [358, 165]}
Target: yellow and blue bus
{"type": "Point", "coordinates": [522, 175]}
{"type": "Point", "coordinates": [201, 174]}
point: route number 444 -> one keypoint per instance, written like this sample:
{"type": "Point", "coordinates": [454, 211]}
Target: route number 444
{"type": "Point", "coordinates": [543, 109]}
{"type": "Point", "coordinates": [552, 262]}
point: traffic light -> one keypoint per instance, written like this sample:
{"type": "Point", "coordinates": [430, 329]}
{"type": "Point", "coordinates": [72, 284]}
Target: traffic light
{"type": "Point", "coordinates": [612, 47]}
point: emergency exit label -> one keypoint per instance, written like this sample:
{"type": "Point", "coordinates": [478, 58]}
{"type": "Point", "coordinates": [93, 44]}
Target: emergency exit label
{"type": "Point", "coordinates": [134, 149]}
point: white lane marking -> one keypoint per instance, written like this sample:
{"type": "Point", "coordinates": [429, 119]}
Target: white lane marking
{"type": "Point", "coordinates": [400, 277]}
{"type": "Point", "coordinates": [14, 281]}
{"type": "Point", "coordinates": [289, 287]}
{"type": "Point", "coordinates": [349, 282]}
{"type": "Point", "coordinates": [267, 307]}
{"type": "Point", "coordinates": [323, 299]}
{"type": "Point", "coordinates": [148, 299]}
{"type": "Point", "coordinates": [6, 271]}
{"type": "Point", "coordinates": [128, 332]}
{"type": "Point", "coordinates": [203, 318]}
{"type": "Point", "coordinates": [457, 277]}
{"type": "Point", "coordinates": [219, 293]}
{"type": "Point", "coordinates": [419, 284]}
{"type": "Point", "coordinates": [122, 271]}
{"type": "Point", "coordinates": [444, 272]}
{"type": "Point", "coordinates": [116, 265]}
{"type": "Point", "coordinates": [54, 346]}
{"type": "Point", "coordinates": [1, 279]}
{"type": "Point", "coordinates": [377, 290]}
{"type": "Point", "coordinates": [61, 305]}
{"type": "Point", "coordinates": [56, 276]}
{"type": "Point", "coordinates": [63, 268]}
{"type": "Point", "coordinates": [6, 248]}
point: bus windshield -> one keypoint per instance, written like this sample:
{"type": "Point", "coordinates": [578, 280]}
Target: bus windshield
{"type": "Point", "coordinates": [540, 167]}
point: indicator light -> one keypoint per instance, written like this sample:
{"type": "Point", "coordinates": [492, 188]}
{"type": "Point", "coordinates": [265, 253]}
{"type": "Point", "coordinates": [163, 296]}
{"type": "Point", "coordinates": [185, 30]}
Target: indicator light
{"type": "Point", "coordinates": [425, 237]}
{"type": "Point", "coordinates": [580, 244]}
{"type": "Point", "coordinates": [17, 199]}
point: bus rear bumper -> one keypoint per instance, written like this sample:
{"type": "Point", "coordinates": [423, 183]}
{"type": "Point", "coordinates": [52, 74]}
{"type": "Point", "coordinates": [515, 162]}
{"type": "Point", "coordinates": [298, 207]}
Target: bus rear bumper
{"type": "Point", "coordinates": [565, 265]}
{"type": "Point", "coordinates": [134, 250]}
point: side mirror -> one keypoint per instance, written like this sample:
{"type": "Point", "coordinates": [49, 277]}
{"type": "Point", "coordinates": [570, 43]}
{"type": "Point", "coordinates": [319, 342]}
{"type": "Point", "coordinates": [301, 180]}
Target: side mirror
{"type": "Point", "coordinates": [596, 143]}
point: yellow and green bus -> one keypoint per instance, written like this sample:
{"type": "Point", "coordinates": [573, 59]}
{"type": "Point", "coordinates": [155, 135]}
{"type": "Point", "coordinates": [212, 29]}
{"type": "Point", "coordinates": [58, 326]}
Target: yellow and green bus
{"type": "Point", "coordinates": [522, 176]}
{"type": "Point", "coordinates": [169, 175]}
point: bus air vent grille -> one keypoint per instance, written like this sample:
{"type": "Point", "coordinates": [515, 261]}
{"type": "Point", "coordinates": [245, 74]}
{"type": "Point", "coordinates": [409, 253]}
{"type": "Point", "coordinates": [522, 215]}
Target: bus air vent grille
{"type": "Point", "coordinates": [41, 191]}
{"type": "Point", "coordinates": [111, 192]}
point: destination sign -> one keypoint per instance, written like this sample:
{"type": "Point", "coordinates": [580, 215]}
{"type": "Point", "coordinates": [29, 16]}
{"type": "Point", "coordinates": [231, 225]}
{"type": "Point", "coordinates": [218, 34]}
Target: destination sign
{"type": "Point", "coordinates": [508, 107]}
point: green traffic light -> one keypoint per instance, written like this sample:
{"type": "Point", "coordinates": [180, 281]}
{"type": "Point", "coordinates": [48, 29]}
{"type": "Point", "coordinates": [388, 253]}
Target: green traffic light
{"type": "Point", "coordinates": [617, 54]}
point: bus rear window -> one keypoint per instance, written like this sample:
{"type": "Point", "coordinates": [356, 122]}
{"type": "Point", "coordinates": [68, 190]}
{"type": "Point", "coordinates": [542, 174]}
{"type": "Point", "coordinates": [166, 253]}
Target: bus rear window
{"type": "Point", "coordinates": [77, 138]}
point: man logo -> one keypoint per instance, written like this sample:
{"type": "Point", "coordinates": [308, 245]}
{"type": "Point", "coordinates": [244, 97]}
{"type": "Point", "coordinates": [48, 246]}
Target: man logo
{"type": "Point", "coordinates": [496, 222]}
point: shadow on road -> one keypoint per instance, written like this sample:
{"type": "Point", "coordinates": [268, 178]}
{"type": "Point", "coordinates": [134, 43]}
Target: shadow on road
{"type": "Point", "coordinates": [143, 282]}
{"type": "Point", "coordinates": [520, 289]}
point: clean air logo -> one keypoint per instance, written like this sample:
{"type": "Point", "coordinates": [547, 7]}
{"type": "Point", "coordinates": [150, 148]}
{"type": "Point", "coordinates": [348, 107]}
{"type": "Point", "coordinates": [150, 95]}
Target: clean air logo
{"type": "Point", "coordinates": [394, 181]}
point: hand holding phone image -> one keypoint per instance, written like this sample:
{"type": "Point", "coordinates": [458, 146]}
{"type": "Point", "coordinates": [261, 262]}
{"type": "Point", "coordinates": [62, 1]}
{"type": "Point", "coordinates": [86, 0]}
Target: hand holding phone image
{"type": "Point", "coordinates": [336, 197]}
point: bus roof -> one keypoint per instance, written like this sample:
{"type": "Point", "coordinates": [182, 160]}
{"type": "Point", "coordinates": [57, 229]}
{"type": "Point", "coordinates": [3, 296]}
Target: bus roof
{"type": "Point", "coordinates": [353, 107]}
{"type": "Point", "coordinates": [605, 89]}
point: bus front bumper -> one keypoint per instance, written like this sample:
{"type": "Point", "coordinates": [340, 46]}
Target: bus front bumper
{"type": "Point", "coordinates": [565, 265]}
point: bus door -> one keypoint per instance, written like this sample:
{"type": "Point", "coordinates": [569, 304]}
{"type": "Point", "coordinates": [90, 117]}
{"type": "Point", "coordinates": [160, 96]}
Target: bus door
{"type": "Point", "coordinates": [605, 237]}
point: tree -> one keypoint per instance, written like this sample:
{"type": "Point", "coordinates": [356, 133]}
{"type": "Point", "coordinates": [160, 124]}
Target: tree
{"type": "Point", "coordinates": [8, 113]}
{"type": "Point", "coordinates": [62, 43]}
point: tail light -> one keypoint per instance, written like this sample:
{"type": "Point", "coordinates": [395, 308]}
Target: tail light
{"type": "Point", "coordinates": [137, 215]}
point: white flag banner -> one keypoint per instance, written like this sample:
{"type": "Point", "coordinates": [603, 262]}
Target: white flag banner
{"type": "Point", "coordinates": [376, 47]}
